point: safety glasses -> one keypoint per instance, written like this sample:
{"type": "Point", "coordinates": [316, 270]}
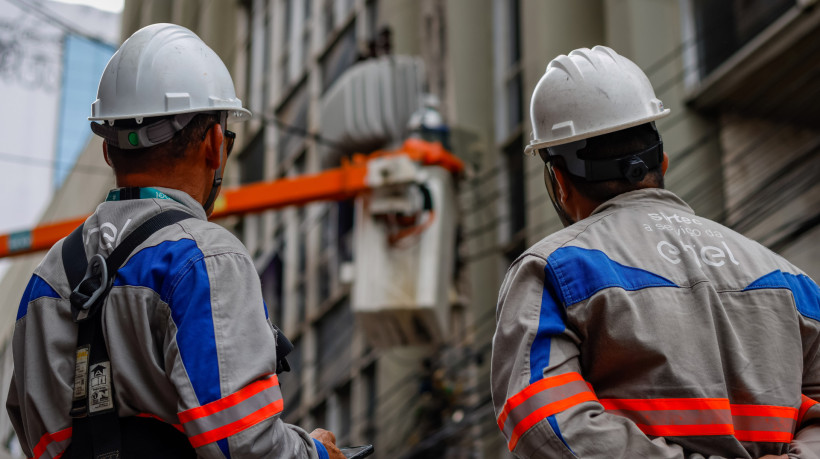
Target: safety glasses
{"type": "Point", "coordinates": [230, 137]}
{"type": "Point", "coordinates": [549, 176]}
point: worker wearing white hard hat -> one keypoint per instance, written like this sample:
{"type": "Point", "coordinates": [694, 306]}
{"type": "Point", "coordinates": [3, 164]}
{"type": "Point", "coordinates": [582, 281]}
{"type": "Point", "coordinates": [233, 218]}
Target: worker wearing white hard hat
{"type": "Point", "coordinates": [144, 333]}
{"type": "Point", "coordinates": [642, 329]}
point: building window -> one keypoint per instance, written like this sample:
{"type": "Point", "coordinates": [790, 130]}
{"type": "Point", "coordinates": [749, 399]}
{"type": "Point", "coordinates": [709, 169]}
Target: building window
{"type": "Point", "coordinates": [334, 336]}
{"type": "Point", "coordinates": [287, 33]}
{"type": "Point", "coordinates": [346, 219]}
{"type": "Point", "coordinates": [252, 160]}
{"type": "Point", "coordinates": [516, 201]}
{"type": "Point", "coordinates": [319, 414]}
{"type": "Point", "coordinates": [370, 389]}
{"type": "Point", "coordinates": [272, 288]}
{"type": "Point", "coordinates": [339, 57]}
{"type": "Point", "coordinates": [266, 81]}
{"type": "Point", "coordinates": [339, 412]}
{"type": "Point", "coordinates": [301, 266]}
{"type": "Point", "coordinates": [507, 63]}
{"type": "Point", "coordinates": [258, 54]}
{"type": "Point", "coordinates": [508, 128]}
{"type": "Point", "coordinates": [514, 106]}
{"type": "Point", "coordinates": [294, 115]}
{"type": "Point", "coordinates": [723, 27]}
{"type": "Point", "coordinates": [328, 265]}
{"type": "Point", "coordinates": [328, 18]}
{"type": "Point", "coordinates": [372, 18]}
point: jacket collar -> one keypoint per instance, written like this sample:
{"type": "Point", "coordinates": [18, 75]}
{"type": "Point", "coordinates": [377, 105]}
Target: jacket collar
{"type": "Point", "coordinates": [644, 197]}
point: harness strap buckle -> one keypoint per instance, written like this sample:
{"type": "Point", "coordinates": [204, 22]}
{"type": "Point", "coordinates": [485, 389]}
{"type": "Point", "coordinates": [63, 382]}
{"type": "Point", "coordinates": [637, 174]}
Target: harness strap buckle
{"type": "Point", "coordinates": [91, 289]}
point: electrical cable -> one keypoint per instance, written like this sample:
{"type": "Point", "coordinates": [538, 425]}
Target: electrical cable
{"type": "Point", "coordinates": [54, 164]}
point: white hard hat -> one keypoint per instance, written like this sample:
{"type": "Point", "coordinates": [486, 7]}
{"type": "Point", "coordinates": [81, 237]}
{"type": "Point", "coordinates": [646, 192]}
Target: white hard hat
{"type": "Point", "coordinates": [589, 93]}
{"type": "Point", "coordinates": [164, 69]}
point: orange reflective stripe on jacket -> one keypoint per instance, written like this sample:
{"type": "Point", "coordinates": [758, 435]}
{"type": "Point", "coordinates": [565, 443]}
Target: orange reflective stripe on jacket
{"type": "Point", "coordinates": [52, 445]}
{"type": "Point", "coordinates": [236, 412]}
{"type": "Point", "coordinates": [540, 400]}
{"type": "Point", "coordinates": [707, 416]}
{"type": "Point", "coordinates": [806, 404]}
{"type": "Point", "coordinates": [665, 417]}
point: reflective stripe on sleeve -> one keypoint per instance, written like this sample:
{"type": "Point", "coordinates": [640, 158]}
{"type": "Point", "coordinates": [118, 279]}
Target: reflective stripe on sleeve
{"type": "Point", "coordinates": [52, 445]}
{"type": "Point", "coordinates": [540, 400]}
{"type": "Point", "coordinates": [224, 417]}
{"type": "Point", "coordinates": [706, 416]}
{"type": "Point", "coordinates": [764, 423]}
{"type": "Point", "coordinates": [806, 404]}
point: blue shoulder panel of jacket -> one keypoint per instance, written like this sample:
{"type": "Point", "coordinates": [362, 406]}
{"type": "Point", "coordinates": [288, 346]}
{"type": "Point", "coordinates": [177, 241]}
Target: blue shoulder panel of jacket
{"type": "Point", "coordinates": [176, 271]}
{"type": "Point", "coordinates": [36, 288]}
{"type": "Point", "coordinates": [805, 291]}
{"type": "Point", "coordinates": [571, 275]}
{"type": "Point", "coordinates": [579, 273]}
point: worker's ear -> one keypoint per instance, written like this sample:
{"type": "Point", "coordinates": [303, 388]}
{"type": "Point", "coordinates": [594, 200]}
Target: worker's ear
{"type": "Point", "coordinates": [664, 164]}
{"type": "Point", "coordinates": [211, 146]}
{"type": "Point", "coordinates": [105, 154]}
{"type": "Point", "coordinates": [563, 188]}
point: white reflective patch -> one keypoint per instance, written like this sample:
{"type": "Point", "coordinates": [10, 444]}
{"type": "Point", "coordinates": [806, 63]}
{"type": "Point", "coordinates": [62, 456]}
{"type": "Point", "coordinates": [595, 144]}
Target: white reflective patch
{"type": "Point", "coordinates": [99, 388]}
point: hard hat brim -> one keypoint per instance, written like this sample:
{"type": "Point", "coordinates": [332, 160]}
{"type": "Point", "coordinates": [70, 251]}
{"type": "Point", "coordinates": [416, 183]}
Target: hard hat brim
{"type": "Point", "coordinates": [536, 144]}
{"type": "Point", "coordinates": [236, 114]}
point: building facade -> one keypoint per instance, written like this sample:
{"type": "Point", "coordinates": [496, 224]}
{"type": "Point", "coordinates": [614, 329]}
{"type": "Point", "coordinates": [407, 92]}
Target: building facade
{"type": "Point", "coordinates": [742, 141]}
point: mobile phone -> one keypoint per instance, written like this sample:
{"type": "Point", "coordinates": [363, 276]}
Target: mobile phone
{"type": "Point", "coordinates": [355, 452]}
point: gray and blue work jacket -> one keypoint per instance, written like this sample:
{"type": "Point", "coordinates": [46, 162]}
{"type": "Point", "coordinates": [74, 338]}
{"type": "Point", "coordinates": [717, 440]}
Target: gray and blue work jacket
{"type": "Point", "coordinates": [645, 330]}
{"type": "Point", "coordinates": [187, 332]}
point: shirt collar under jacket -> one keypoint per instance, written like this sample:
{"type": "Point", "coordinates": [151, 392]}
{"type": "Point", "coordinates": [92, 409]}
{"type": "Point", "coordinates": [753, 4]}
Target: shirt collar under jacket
{"type": "Point", "coordinates": [191, 205]}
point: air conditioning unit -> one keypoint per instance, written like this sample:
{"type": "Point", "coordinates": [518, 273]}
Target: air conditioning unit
{"type": "Point", "coordinates": [369, 106]}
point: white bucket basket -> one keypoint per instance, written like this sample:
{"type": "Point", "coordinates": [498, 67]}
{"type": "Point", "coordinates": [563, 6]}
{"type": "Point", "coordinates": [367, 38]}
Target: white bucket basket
{"type": "Point", "coordinates": [400, 292]}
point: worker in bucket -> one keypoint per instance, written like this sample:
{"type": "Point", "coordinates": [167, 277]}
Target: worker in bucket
{"type": "Point", "coordinates": [144, 333]}
{"type": "Point", "coordinates": [642, 330]}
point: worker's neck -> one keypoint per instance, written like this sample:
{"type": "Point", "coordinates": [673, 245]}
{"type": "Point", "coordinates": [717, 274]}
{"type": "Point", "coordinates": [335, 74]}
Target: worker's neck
{"type": "Point", "coordinates": [181, 182]}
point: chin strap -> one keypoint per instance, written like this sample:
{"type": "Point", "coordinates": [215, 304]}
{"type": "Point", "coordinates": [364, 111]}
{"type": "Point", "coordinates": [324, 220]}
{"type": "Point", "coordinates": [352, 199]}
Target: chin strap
{"type": "Point", "coordinates": [218, 174]}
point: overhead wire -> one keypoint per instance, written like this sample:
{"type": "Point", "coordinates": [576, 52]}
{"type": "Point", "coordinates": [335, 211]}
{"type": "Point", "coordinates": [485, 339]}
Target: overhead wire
{"type": "Point", "coordinates": [54, 164]}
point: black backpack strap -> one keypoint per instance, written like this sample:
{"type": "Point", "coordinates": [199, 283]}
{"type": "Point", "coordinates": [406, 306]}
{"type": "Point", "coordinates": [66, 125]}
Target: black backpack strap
{"type": "Point", "coordinates": [74, 261]}
{"type": "Point", "coordinates": [96, 428]}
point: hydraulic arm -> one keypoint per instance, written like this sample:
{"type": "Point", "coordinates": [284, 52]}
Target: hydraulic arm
{"type": "Point", "coordinates": [358, 175]}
